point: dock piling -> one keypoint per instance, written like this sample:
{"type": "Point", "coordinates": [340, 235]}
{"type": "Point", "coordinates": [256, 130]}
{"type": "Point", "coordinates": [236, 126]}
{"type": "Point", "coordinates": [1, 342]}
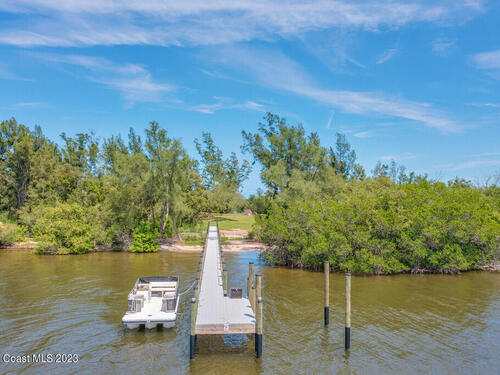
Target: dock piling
{"type": "Point", "coordinates": [327, 292]}
{"type": "Point", "coordinates": [252, 297]}
{"type": "Point", "coordinates": [192, 336]}
{"type": "Point", "coordinates": [258, 286]}
{"type": "Point", "coordinates": [250, 278]}
{"type": "Point", "coordinates": [258, 330]}
{"type": "Point", "coordinates": [224, 281]}
{"type": "Point", "coordinates": [347, 310]}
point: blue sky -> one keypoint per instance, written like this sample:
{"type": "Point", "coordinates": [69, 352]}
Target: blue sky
{"type": "Point", "coordinates": [417, 81]}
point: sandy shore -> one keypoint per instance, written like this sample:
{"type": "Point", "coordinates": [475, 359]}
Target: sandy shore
{"type": "Point", "coordinates": [234, 247]}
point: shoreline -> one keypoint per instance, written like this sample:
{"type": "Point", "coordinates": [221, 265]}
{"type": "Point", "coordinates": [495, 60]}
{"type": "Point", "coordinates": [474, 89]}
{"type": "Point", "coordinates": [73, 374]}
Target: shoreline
{"type": "Point", "coordinates": [235, 246]}
{"type": "Point", "coordinates": [229, 248]}
{"type": "Point", "coordinates": [240, 246]}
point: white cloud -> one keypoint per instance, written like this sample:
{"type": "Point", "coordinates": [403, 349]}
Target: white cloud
{"type": "Point", "coordinates": [277, 71]}
{"type": "Point", "coordinates": [475, 164]}
{"type": "Point", "coordinates": [389, 54]}
{"type": "Point", "coordinates": [330, 119]}
{"type": "Point", "coordinates": [488, 60]}
{"type": "Point", "coordinates": [29, 105]}
{"type": "Point", "coordinates": [365, 134]}
{"type": "Point", "coordinates": [226, 104]}
{"type": "Point", "coordinates": [133, 81]}
{"type": "Point", "coordinates": [491, 105]}
{"type": "Point", "coordinates": [7, 73]}
{"type": "Point", "coordinates": [399, 157]}
{"type": "Point", "coordinates": [483, 154]}
{"type": "Point", "coordinates": [442, 46]}
{"type": "Point", "coordinates": [200, 22]}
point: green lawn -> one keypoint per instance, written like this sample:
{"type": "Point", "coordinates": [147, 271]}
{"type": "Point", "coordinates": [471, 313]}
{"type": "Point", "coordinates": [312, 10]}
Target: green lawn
{"type": "Point", "coordinates": [233, 221]}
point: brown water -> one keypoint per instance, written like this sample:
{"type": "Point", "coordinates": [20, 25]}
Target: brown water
{"type": "Point", "coordinates": [400, 324]}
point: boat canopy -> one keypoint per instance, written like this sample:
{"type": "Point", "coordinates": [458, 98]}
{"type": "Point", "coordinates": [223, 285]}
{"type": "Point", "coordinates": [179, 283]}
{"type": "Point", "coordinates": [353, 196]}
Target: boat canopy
{"type": "Point", "coordinates": [150, 279]}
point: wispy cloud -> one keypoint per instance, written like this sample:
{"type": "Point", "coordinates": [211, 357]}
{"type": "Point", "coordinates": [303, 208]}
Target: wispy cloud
{"type": "Point", "coordinates": [29, 105]}
{"type": "Point", "coordinates": [488, 60]}
{"type": "Point", "coordinates": [491, 105]}
{"type": "Point", "coordinates": [225, 104]}
{"type": "Point", "coordinates": [478, 160]}
{"type": "Point", "coordinates": [475, 164]}
{"type": "Point", "coordinates": [278, 71]}
{"type": "Point", "coordinates": [199, 22]}
{"type": "Point", "coordinates": [386, 56]}
{"type": "Point", "coordinates": [442, 46]}
{"type": "Point", "coordinates": [133, 81]}
{"type": "Point", "coordinates": [7, 73]}
{"type": "Point", "coordinates": [365, 134]}
{"type": "Point", "coordinates": [399, 157]}
{"type": "Point", "coordinates": [330, 119]}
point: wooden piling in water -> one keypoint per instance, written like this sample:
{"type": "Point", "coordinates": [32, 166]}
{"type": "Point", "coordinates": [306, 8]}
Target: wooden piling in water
{"type": "Point", "coordinates": [258, 286]}
{"type": "Point", "coordinates": [250, 278]}
{"type": "Point", "coordinates": [347, 310]}
{"type": "Point", "coordinates": [192, 336]}
{"type": "Point", "coordinates": [326, 267]}
{"type": "Point", "coordinates": [224, 281]}
{"type": "Point", "coordinates": [253, 297]}
{"type": "Point", "coordinates": [259, 328]}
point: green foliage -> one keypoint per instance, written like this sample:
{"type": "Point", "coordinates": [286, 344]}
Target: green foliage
{"type": "Point", "coordinates": [233, 221]}
{"type": "Point", "coordinates": [377, 226]}
{"type": "Point", "coordinates": [295, 165]}
{"type": "Point", "coordinates": [222, 178]}
{"type": "Point", "coordinates": [318, 203]}
{"type": "Point", "coordinates": [258, 203]}
{"type": "Point", "coordinates": [144, 239]}
{"type": "Point", "coordinates": [10, 234]}
{"type": "Point", "coordinates": [7, 217]}
{"type": "Point", "coordinates": [67, 228]}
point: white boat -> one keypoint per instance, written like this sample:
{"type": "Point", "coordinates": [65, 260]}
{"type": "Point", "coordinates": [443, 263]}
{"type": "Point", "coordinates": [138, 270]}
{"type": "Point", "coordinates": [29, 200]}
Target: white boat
{"type": "Point", "coordinates": [152, 302]}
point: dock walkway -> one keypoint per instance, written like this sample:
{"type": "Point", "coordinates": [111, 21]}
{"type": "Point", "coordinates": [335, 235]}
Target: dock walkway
{"type": "Point", "coordinates": [218, 314]}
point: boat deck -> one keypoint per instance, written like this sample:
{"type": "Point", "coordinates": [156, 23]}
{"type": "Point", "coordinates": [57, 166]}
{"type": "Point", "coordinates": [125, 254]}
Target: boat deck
{"type": "Point", "coordinates": [218, 314]}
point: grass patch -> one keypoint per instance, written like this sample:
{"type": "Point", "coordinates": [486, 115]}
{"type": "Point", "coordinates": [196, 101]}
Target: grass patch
{"type": "Point", "coordinates": [193, 241]}
{"type": "Point", "coordinates": [233, 221]}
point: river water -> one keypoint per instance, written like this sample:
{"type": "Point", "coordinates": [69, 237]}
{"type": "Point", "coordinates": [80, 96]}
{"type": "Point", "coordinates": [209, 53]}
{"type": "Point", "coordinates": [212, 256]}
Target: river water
{"type": "Point", "coordinates": [432, 324]}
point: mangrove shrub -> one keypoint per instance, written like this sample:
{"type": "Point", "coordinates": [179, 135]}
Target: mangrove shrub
{"type": "Point", "coordinates": [144, 239]}
{"type": "Point", "coordinates": [377, 226]}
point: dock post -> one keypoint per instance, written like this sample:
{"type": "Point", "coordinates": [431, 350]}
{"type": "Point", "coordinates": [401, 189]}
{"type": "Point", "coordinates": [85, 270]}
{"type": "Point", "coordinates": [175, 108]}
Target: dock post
{"type": "Point", "coordinates": [258, 286]}
{"type": "Point", "coordinates": [258, 328]}
{"type": "Point", "coordinates": [347, 310]}
{"type": "Point", "coordinates": [250, 278]}
{"type": "Point", "coordinates": [327, 292]}
{"type": "Point", "coordinates": [192, 336]}
{"type": "Point", "coordinates": [252, 298]}
{"type": "Point", "coordinates": [224, 281]}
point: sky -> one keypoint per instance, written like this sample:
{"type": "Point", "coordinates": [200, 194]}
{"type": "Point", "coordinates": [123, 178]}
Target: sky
{"type": "Point", "coordinates": [417, 82]}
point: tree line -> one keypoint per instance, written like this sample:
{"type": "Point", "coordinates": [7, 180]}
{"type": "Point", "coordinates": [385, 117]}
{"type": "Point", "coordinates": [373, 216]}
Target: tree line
{"type": "Point", "coordinates": [320, 205]}
{"type": "Point", "coordinates": [85, 192]}
{"type": "Point", "coordinates": [318, 202]}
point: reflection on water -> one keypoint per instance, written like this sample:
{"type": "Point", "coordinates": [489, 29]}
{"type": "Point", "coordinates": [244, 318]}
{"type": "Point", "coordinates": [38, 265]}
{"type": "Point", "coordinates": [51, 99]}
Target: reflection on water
{"type": "Point", "coordinates": [400, 324]}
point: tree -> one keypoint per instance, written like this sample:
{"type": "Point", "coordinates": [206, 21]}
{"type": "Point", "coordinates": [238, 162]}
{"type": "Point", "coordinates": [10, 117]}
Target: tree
{"type": "Point", "coordinates": [396, 173]}
{"type": "Point", "coordinates": [343, 159]}
{"type": "Point", "coordinates": [18, 147]}
{"type": "Point", "coordinates": [82, 152]}
{"type": "Point", "coordinates": [221, 177]}
{"type": "Point", "coordinates": [281, 149]}
{"type": "Point", "coordinates": [217, 170]}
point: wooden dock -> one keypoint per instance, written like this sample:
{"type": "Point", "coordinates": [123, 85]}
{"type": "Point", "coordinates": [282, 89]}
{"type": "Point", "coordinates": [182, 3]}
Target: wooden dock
{"type": "Point", "coordinates": [213, 313]}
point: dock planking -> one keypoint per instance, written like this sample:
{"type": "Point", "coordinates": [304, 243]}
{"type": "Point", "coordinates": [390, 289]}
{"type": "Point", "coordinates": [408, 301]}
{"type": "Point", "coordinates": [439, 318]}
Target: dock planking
{"type": "Point", "coordinates": [218, 314]}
